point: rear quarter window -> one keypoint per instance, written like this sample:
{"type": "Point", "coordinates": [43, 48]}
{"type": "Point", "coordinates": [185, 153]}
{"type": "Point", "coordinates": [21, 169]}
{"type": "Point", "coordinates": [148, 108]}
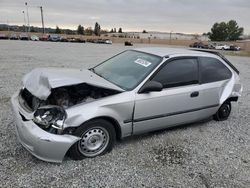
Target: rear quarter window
{"type": "Point", "coordinates": [213, 70]}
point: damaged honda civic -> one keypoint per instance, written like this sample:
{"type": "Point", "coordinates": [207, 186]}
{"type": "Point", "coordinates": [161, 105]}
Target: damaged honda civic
{"type": "Point", "coordinates": [82, 112]}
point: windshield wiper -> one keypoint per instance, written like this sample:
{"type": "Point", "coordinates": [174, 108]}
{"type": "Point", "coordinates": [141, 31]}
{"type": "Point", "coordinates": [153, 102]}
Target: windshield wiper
{"type": "Point", "coordinates": [92, 69]}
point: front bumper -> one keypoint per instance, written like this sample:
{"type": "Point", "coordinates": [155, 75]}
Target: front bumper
{"type": "Point", "coordinates": [43, 145]}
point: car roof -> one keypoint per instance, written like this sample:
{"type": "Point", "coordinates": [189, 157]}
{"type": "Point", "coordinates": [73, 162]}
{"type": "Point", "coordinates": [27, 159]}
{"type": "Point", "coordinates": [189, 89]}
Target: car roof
{"type": "Point", "coordinates": [164, 51]}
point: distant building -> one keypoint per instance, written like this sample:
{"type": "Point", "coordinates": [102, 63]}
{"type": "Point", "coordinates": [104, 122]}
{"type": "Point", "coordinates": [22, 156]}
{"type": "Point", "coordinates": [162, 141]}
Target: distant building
{"type": "Point", "coordinates": [159, 35]}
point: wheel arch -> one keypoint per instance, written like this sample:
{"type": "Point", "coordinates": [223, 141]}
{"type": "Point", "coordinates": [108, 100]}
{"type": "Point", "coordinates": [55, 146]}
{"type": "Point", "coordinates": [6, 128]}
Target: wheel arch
{"type": "Point", "coordinates": [113, 121]}
{"type": "Point", "coordinates": [232, 99]}
{"type": "Point", "coordinates": [229, 99]}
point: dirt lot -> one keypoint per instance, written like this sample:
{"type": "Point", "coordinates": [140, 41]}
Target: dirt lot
{"type": "Point", "coordinates": [207, 154]}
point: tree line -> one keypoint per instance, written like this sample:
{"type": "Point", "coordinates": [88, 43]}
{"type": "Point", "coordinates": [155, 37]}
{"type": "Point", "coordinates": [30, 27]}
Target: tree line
{"type": "Point", "coordinates": [89, 31]}
{"type": "Point", "coordinates": [220, 31]}
{"type": "Point", "coordinates": [223, 31]}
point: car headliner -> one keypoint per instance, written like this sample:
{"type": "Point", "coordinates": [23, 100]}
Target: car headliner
{"type": "Point", "coordinates": [163, 51]}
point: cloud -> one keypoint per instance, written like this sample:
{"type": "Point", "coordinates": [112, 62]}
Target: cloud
{"type": "Point", "coordinates": [94, 18]}
{"type": "Point", "coordinates": [192, 16]}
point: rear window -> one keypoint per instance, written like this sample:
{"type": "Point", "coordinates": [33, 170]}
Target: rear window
{"type": "Point", "coordinates": [213, 70]}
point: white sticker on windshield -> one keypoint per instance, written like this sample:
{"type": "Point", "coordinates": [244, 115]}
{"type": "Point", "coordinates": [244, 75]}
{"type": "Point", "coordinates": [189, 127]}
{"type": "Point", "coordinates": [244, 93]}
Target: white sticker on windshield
{"type": "Point", "coordinates": [143, 62]}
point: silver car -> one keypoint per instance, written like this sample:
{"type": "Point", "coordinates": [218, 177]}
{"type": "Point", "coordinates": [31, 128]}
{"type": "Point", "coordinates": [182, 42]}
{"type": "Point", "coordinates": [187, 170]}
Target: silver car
{"type": "Point", "coordinates": [82, 112]}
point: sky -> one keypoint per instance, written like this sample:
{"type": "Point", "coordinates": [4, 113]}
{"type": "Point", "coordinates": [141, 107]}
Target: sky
{"type": "Point", "coordinates": [184, 16]}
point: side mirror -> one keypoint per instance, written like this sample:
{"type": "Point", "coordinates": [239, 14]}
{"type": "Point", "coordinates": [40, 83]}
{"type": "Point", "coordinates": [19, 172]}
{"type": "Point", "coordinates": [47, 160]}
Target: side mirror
{"type": "Point", "coordinates": [151, 86]}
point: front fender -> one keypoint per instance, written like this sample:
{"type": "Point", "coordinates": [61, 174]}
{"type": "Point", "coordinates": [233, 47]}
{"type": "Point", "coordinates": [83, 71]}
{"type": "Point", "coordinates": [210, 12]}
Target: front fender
{"type": "Point", "coordinates": [80, 114]}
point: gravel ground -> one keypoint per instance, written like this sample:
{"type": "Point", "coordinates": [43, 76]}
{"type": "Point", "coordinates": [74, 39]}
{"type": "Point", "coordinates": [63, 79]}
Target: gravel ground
{"type": "Point", "coordinates": [206, 154]}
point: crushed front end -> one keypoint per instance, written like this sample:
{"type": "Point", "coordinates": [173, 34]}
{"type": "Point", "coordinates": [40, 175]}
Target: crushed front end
{"type": "Point", "coordinates": [46, 143]}
{"type": "Point", "coordinates": [40, 122]}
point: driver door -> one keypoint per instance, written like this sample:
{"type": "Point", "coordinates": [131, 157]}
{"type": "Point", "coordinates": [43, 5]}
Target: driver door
{"type": "Point", "coordinates": [180, 101]}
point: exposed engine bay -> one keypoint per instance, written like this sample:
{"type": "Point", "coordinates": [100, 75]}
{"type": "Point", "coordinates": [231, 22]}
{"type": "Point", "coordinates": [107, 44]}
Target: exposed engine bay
{"type": "Point", "coordinates": [67, 96]}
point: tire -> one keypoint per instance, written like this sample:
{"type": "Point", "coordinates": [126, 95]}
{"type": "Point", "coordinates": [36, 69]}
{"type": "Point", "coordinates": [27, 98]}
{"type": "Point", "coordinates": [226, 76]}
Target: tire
{"type": "Point", "coordinates": [223, 112]}
{"type": "Point", "coordinates": [97, 138]}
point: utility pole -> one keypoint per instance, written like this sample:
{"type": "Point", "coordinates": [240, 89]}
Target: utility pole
{"type": "Point", "coordinates": [24, 19]}
{"type": "Point", "coordinates": [170, 37]}
{"type": "Point", "coordinates": [8, 26]}
{"type": "Point", "coordinates": [28, 16]}
{"type": "Point", "coordinates": [41, 8]}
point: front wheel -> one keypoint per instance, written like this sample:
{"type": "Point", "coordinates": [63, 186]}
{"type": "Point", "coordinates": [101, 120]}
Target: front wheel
{"type": "Point", "coordinates": [97, 138]}
{"type": "Point", "coordinates": [223, 112]}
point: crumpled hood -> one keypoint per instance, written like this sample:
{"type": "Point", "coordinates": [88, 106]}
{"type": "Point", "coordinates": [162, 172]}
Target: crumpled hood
{"type": "Point", "coordinates": [40, 81]}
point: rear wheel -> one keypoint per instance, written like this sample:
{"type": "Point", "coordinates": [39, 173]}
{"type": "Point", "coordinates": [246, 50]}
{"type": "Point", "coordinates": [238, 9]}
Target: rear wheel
{"type": "Point", "coordinates": [97, 138]}
{"type": "Point", "coordinates": [223, 112]}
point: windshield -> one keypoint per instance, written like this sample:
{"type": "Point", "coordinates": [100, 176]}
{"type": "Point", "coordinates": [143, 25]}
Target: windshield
{"type": "Point", "coordinates": [128, 68]}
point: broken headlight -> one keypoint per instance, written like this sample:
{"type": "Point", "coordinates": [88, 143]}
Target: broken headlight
{"type": "Point", "coordinates": [50, 116]}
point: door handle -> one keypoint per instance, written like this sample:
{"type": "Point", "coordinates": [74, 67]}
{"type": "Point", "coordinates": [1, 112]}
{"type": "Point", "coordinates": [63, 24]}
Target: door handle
{"type": "Point", "coordinates": [194, 94]}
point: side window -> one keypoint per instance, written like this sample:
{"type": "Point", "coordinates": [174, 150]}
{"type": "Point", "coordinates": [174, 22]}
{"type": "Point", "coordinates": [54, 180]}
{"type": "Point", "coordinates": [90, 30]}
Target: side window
{"type": "Point", "coordinates": [178, 73]}
{"type": "Point", "coordinates": [212, 70]}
